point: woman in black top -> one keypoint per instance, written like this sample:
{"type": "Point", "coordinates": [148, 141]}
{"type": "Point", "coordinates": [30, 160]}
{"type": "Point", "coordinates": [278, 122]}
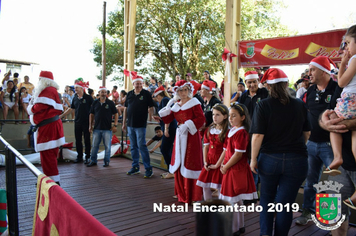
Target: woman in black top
{"type": "Point", "coordinates": [280, 129]}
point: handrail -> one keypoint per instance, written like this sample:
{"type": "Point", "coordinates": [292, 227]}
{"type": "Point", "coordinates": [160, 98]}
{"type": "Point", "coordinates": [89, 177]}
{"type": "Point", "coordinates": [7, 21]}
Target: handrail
{"type": "Point", "coordinates": [32, 168]}
{"type": "Point", "coordinates": [11, 184]}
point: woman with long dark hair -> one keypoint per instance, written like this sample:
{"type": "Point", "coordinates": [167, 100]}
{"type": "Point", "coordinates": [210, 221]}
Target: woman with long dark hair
{"type": "Point", "coordinates": [10, 100]}
{"type": "Point", "coordinates": [280, 129]}
{"type": "Point", "coordinates": [161, 96]}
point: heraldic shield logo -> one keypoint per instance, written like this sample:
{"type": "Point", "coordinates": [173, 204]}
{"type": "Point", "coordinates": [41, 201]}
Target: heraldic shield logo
{"type": "Point", "coordinates": [250, 51]}
{"type": "Point", "coordinates": [328, 206]}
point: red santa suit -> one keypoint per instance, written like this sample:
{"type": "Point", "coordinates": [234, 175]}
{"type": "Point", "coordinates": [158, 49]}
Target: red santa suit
{"type": "Point", "coordinates": [212, 178]}
{"type": "Point", "coordinates": [237, 183]}
{"type": "Point", "coordinates": [187, 156]}
{"type": "Point", "coordinates": [45, 105]}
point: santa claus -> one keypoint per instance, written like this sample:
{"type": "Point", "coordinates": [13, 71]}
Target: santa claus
{"type": "Point", "coordinates": [44, 110]}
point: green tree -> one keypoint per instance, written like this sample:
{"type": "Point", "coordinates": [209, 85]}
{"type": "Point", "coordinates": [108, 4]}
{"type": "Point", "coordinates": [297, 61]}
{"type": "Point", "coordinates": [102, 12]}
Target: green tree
{"type": "Point", "coordinates": [184, 35]}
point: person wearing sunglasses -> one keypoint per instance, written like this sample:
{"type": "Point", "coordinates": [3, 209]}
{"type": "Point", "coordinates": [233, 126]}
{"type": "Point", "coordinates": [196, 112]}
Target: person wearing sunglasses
{"type": "Point", "coordinates": [317, 99]}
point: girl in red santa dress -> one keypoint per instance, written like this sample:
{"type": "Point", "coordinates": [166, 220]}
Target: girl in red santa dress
{"type": "Point", "coordinates": [237, 183]}
{"type": "Point", "coordinates": [187, 156]}
{"type": "Point", "coordinates": [213, 153]}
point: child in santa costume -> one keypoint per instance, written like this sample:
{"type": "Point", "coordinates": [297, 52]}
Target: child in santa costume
{"type": "Point", "coordinates": [187, 156]}
{"type": "Point", "coordinates": [44, 110]}
{"type": "Point", "coordinates": [237, 183]}
{"type": "Point", "coordinates": [213, 153]}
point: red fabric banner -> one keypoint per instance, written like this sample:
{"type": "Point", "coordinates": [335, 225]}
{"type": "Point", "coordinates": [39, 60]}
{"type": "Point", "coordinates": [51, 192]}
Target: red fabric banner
{"type": "Point", "coordinates": [290, 50]}
{"type": "Point", "coordinates": [57, 213]}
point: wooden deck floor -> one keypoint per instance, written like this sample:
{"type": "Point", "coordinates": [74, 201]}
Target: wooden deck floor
{"type": "Point", "coordinates": [124, 204]}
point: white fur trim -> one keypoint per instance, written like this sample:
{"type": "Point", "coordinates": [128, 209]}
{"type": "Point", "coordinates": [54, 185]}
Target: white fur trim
{"type": "Point", "coordinates": [158, 92]}
{"type": "Point", "coordinates": [179, 154]}
{"type": "Point", "coordinates": [29, 109]}
{"type": "Point", "coordinates": [238, 150]}
{"type": "Point", "coordinates": [274, 81]}
{"type": "Point", "coordinates": [180, 151]}
{"type": "Point", "coordinates": [205, 87]}
{"type": "Point", "coordinates": [251, 76]}
{"type": "Point", "coordinates": [44, 78]}
{"type": "Point", "coordinates": [205, 144]}
{"type": "Point", "coordinates": [233, 131]}
{"type": "Point", "coordinates": [49, 145]}
{"type": "Point", "coordinates": [320, 67]}
{"type": "Point", "coordinates": [208, 185]}
{"type": "Point", "coordinates": [191, 103]}
{"type": "Point", "coordinates": [165, 111]}
{"type": "Point", "coordinates": [189, 174]}
{"type": "Point", "coordinates": [138, 79]}
{"type": "Point", "coordinates": [215, 131]}
{"type": "Point", "coordinates": [31, 120]}
{"type": "Point", "coordinates": [191, 127]}
{"type": "Point", "coordinates": [48, 101]}
{"type": "Point", "coordinates": [244, 196]}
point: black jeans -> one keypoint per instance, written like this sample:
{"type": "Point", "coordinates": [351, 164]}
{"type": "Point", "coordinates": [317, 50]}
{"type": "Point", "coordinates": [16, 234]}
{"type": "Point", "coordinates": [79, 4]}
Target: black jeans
{"type": "Point", "coordinates": [79, 130]}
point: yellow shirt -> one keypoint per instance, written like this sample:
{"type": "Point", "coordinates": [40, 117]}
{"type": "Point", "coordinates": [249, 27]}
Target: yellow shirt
{"type": "Point", "coordinates": [30, 87]}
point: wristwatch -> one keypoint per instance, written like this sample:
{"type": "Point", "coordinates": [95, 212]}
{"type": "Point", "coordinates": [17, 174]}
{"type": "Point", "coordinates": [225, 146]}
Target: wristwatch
{"type": "Point", "coordinates": [115, 125]}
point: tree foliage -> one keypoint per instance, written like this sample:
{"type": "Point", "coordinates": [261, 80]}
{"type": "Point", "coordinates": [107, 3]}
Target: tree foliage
{"type": "Point", "coordinates": [176, 37]}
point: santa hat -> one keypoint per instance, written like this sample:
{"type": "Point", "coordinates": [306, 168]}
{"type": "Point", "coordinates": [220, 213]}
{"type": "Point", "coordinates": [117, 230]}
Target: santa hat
{"type": "Point", "coordinates": [133, 75]}
{"type": "Point", "coordinates": [181, 83]}
{"type": "Point", "coordinates": [82, 85]}
{"type": "Point", "coordinates": [46, 75]}
{"type": "Point", "coordinates": [208, 85]}
{"type": "Point", "coordinates": [102, 88]}
{"type": "Point", "coordinates": [137, 78]}
{"type": "Point", "coordinates": [196, 85]}
{"type": "Point", "coordinates": [323, 63]}
{"type": "Point", "coordinates": [251, 75]}
{"type": "Point", "coordinates": [273, 76]}
{"type": "Point", "coordinates": [158, 90]}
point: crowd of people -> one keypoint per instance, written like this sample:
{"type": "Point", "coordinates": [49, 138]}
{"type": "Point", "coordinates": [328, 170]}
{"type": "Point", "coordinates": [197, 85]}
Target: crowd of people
{"type": "Point", "coordinates": [271, 137]}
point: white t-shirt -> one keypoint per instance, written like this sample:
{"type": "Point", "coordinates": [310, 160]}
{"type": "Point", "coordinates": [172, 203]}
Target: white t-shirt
{"type": "Point", "coordinates": [351, 87]}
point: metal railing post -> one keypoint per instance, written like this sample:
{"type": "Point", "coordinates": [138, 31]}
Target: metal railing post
{"type": "Point", "coordinates": [11, 193]}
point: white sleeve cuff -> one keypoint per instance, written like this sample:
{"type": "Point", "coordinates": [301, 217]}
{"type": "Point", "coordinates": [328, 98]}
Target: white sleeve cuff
{"type": "Point", "coordinates": [165, 111]}
{"type": "Point", "coordinates": [191, 127]}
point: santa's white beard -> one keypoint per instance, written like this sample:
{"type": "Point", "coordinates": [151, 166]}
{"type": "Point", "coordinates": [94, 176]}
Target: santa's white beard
{"type": "Point", "coordinates": [42, 84]}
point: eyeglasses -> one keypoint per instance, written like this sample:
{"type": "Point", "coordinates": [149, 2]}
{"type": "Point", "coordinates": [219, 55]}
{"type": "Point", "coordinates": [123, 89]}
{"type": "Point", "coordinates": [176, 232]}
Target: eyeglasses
{"type": "Point", "coordinates": [343, 46]}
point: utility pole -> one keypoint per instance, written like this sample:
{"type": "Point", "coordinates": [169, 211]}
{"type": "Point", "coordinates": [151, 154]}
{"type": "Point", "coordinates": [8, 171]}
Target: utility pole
{"type": "Point", "coordinates": [103, 60]}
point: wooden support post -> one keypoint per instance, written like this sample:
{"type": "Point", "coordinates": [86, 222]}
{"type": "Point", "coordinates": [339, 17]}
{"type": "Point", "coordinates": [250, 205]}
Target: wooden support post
{"type": "Point", "coordinates": [129, 39]}
{"type": "Point", "coordinates": [103, 59]}
{"type": "Point", "coordinates": [232, 36]}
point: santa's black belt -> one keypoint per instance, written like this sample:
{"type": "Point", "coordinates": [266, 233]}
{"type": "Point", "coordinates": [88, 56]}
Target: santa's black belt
{"type": "Point", "coordinates": [45, 122]}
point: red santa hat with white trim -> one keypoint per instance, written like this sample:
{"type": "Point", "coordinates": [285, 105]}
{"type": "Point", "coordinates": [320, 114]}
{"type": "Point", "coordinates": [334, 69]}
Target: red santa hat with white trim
{"type": "Point", "coordinates": [180, 84]}
{"type": "Point", "coordinates": [46, 75]}
{"type": "Point", "coordinates": [251, 75]}
{"type": "Point", "coordinates": [102, 88]}
{"type": "Point", "coordinates": [273, 76]}
{"type": "Point", "coordinates": [158, 90]}
{"type": "Point", "coordinates": [322, 63]}
{"type": "Point", "coordinates": [196, 85]}
{"type": "Point", "coordinates": [82, 85]}
{"type": "Point", "coordinates": [208, 85]}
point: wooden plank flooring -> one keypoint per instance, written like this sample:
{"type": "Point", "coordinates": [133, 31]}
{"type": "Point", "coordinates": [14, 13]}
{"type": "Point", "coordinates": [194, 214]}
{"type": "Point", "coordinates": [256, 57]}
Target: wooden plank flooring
{"type": "Point", "coordinates": [124, 204]}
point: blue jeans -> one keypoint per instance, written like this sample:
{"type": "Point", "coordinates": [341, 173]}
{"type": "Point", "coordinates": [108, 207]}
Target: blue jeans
{"type": "Point", "coordinates": [106, 136]}
{"type": "Point", "coordinates": [281, 175]}
{"type": "Point", "coordinates": [138, 144]}
{"type": "Point", "coordinates": [318, 154]}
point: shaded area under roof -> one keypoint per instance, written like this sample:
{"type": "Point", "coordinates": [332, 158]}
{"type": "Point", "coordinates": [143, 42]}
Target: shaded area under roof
{"type": "Point", "coordinates": [25, 63]}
